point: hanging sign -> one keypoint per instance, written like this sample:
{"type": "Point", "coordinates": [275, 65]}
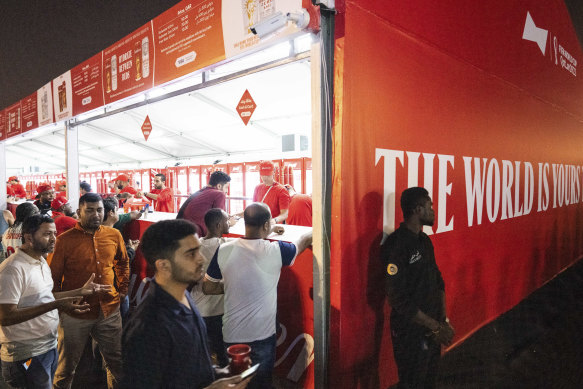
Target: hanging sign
{"type": "Point", "coordinates": [146, 128]}
{"type": "Point", "coordinates": [29, 112]}
{"type": "Point", "coordinates": [13, 120]}
{"type": "Point", "coordinates": [87, 88]}
{"type": "Point", "coordinates": [44, 104]}
{"type": "Point", "coordinates": [63, 96]}
{"type": "Point", "coordinates": [246, 107]}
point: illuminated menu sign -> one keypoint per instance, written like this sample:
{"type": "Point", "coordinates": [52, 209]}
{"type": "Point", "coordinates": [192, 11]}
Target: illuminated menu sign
{"type": "Point", "coordinates": [13, 120]}
{"type": "Point", "coordinates": [29, 112]}
{"type": "Point", "coordinates": [87, 88]}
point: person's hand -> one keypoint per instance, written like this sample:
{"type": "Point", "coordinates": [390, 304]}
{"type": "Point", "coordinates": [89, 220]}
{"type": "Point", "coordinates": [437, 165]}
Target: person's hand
{"type": "Point", "coordinates": [92, 288]}
{"type": "Point", "coordinates": [444, 334]}
{"type": "Point", "coordinates": [133, 243]}
{"type": "Point", "coordinates": [233, 220]}
{"type": "Point", "coordinates": [230, 383]}
{"type": "Point", "coordinates": [277, 229]}
{"type": "Point", "coordinates": [72, 304]}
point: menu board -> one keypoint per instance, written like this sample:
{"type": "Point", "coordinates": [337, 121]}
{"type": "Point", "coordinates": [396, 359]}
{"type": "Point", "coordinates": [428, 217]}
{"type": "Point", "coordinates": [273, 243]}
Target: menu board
{"type": "Point", "coordinates": [29, 112]}
{"type": "Point", "coordinates": [87, 87]}
{"type": "Point", "coordinates": [127, 65]}
{"type": "Point", "coordinates": [188, 37]}
{"type": "Point", "coordinates": [63, 96]}
{"type": "Point", "coordinates": [13, 120]}
{"type": "Point", "coordinates": [44, 103]}
{"type": "Point", "coordinates": [2, 124]}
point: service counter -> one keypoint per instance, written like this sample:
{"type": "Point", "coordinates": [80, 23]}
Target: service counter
{"type": "Point", "coordinates": [295, 343]}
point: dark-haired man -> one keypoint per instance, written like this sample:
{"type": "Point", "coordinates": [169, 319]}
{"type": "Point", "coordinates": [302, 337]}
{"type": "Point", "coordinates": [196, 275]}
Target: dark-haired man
{"type": "Point", "coordinates": [211, 196]}
{"type": "Point", "coordinates": [164, 341]}
{"type": "Point", "coordinates": [250, 268]}
{"type": "Point", "coordinates": [161, 195]}
{"type": "Point", "coordinates": [419, 324]}
{"type": "Point", "coordinates": [46, 195]}
{"type": "Point", "coordinates": [89, 248]}
{"type": "Point", "coordinates": [28, 316]}
{"type": "Point", "coordinates": [122, 182]}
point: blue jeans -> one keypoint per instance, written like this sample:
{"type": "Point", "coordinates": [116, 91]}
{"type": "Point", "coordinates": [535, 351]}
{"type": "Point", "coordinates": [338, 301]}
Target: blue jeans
{"type": "Point", "coordinates": [263, 352]}
{"type": "Point", "coordinates": [39, 374]}
{"type": "Point", "coordinates": [214, 331]}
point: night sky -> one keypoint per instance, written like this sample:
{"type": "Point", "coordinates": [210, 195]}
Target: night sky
{"type": "Point", "coordinates": [40, 40]}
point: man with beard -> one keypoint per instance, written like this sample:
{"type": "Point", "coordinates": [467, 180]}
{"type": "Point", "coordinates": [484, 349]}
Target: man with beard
{"type": "Point", "coordinates": [89, 248]}
{"type": "Point", "coordinates": [161, 195]}
{"type": "Point", "coordinates": [28, 316]}
{"type": "Point", "coordinates": [419, 324]}
{"type": "Point", "coordinates": [63, 215]}
{"type": "Point", "coordinates": [125, 189]}
{"type": "Point", "coordinates": [164, 341]}
{"type": "Point", "coordinates": [46, 195]}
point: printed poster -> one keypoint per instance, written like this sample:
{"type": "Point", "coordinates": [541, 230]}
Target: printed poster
{"type": "Point", "coordinates": [29, 112]}
{"type": "Point", "coordinates": [44, 103]}
{"type": "Point", "coordinates": [87, 87]}
{"type": "Point", "coordinates": [188, 37]}
{"type": "Point", "coordinates": [63, 96]}
{"type": "Point", "coordinates": [127, 65]}
{"type": "Point", "coordinates": [13, 120]}
{"type": "Point", "coordinates": [2, 124]}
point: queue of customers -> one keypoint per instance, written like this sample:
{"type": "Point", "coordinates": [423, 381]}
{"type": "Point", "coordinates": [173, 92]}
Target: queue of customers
{"type": "Point", "coordinates": [57, 293]}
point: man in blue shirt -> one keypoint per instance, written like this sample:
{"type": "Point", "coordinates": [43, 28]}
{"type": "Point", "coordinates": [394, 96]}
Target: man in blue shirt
{"type": "Point", "coordinates": [164, 341]}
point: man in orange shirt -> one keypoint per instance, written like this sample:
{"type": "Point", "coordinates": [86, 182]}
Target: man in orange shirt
{"type": "Point", "coordinates": [272, 193]}
{"type": "Point", "coordinates": [90, 248]}
{"type": "Point", "coordinates": [17, 187]}
{"type": "Point", "coordinates": [161, 194]}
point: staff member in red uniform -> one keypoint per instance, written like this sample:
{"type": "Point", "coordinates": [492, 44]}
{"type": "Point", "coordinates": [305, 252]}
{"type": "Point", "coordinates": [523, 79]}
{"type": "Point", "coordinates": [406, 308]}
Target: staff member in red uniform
{"type": "Point", "coordinates": [300, 208]}
{"type": "Point", "coordinates": [123, 184]}
{"type": "Point", "coordinates": [17, 187]}
{"type": "Point", "coordinates": [272, 193]}
{"type": "Point", "coordinates": [63, 215]}
{"type": "Point", "coordinates": [161, 194]}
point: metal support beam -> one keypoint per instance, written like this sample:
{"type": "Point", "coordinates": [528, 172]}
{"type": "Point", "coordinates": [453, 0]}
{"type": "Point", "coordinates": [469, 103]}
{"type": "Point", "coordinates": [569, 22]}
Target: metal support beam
{"type": "Point", "coordinates": [322, 61]}
{"type": "Point", "coordinates": [129, 140]}
{"type": "Point", "coordinates": [72, 153]}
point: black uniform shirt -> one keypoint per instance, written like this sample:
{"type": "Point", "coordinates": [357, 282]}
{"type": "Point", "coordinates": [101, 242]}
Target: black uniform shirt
{"type": "Point", "coordinates": [413, 280]}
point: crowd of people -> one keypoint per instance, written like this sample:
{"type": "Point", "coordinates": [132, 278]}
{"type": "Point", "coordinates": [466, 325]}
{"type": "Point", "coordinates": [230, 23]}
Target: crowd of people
{"type": "Point", "coordinates": [65, 282]}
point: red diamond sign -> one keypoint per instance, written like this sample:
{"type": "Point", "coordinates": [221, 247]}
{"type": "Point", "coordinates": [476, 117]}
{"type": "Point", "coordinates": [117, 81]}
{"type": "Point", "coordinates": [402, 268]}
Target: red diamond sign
{"type": "Point", "coordinates": [246, 107]}
{"type": "Point", "coordinates": [147, 128]}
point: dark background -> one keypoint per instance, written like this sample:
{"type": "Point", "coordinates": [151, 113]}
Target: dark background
{"type": "Point", "coordinates": [42, 39]}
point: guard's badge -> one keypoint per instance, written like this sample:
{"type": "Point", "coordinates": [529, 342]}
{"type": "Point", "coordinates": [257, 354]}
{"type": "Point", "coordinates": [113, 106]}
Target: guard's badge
{"type": "Point", "coordinates": [392, 269]}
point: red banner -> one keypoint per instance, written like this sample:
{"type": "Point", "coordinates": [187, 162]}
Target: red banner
{"type": "Point", "coordinates": [127, 65]}
{"type": "Point", "coordinates": [2, 124]}
{"type": "Point", "coordinates": [29, 112]}
{"type": "Point", "coordinates": [466, 121]}
{"type": "Point", "coordinates": [189, 36]}
{"type": "Point", "coordinates": [13, 120]}
{"type": "Point", "coordinates": [87, 88]}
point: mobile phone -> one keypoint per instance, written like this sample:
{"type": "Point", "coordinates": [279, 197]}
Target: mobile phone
{"type": "Point", "coordinates": [250, 371]}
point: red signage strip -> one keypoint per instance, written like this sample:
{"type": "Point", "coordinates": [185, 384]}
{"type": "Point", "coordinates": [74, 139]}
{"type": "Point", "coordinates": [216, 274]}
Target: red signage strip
{"type": "Point", "coordinates": [2, 124]}
{"type": "Point", "coordinates": [13, 120]}
{"type": "Point", "coordinates": [87, 88]}
{"type": "Point", "coordinates": [29, 112]}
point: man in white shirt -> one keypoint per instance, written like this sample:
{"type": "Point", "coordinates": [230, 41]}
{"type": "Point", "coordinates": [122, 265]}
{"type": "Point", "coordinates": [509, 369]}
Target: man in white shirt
{"type": "Point", "coordinates": [28, 316]}
{"type": "Point", "coordinates": [211, 306]}
{"type": "Point", "coordinates": [250, 268]}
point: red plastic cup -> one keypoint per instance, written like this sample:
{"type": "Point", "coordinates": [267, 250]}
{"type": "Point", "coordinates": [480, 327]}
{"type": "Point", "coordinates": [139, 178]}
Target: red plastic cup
{"type": "Point", "coordinates": [239, 354]}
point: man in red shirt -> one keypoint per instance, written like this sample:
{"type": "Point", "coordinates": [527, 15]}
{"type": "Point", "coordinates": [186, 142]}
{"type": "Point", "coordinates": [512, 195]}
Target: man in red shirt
{"type": "Point", "coordinates": [211, 196]}
{"type": "Point", "coordinates": [63, 214]}
{"type": "Point", "coordinates": [272, 193]}
{"type": "Point", "coordinates": [17, 187]}
{"type": "Point", "coordinates": [164, 200]}
{"type": "Point", "coordinates": [123, 184]}
{"type": "Point", "coordinates": [300, 208]}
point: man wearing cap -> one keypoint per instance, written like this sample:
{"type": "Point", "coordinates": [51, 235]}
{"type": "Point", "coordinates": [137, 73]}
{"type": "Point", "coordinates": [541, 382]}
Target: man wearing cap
{"type": "Point", "coordinates": [46, 195]}
{"type": "Point", "coordinates": [61, 188]}
{"type": "Point", "coordinates": [161, 194]}
{"type": "Point", "coordinates": [17, 187]}
{"type": "Point", "coordinates": [211, 196]}
{"type": "Point", "coordinates": [63, 214]}
{"type": "Point", "coordinates": [123, 184]}
{"type": "Point", "coordinates": [272, 193]}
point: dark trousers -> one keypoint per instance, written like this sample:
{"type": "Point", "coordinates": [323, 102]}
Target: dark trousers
{"type": "Point", "coordinates": [263, 352]}
{"type": "Point", "coordinates": [417, 358]}
{"type": "Point", "coordinates": [39, 374]}
{"type": "Point", "coordinates": [214, 331]}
